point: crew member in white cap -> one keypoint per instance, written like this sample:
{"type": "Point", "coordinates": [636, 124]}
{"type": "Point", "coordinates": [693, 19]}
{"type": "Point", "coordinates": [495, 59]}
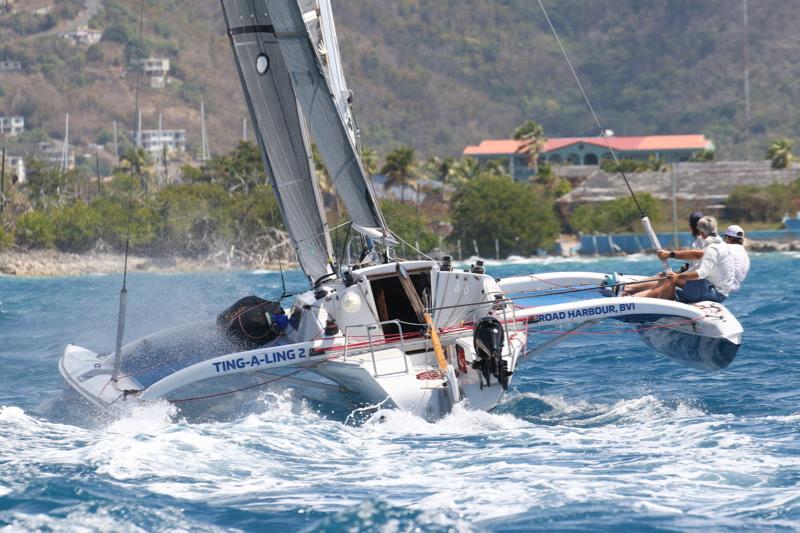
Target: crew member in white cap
{"type": "Point", "coordinates": [734, 238]}
{"type": "Point", "coordinates": [712, 281]}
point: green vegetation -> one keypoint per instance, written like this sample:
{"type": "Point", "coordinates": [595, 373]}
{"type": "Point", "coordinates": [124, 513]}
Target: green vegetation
{"type": "Point", "coordinates": [763, 204]}
{"type": "Point", "coordinates": [650, 164]}
{"type": "Point", "coordinates": [495, 207]}
{"type": "Point", "coordinates": [780, 153]}
{"type": "Point", "coordinates": [616, 216]}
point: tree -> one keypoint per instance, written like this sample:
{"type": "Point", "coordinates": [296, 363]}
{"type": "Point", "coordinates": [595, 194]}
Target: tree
{"type": "Point", "coordinates": [400, 168]}
{"type": "Point", "coordinates": [495, 207]}
{"type": "Point", "coordinates": [405, 222]}
{"type": "Point", "coordinates": [533, 133]}
{"type": "Point", "coordinates": [442, 170]}
{"type": "Point", "coordinates": [620, 215]}
{"type": "Point", "coordinates": [780, 153]}
{"type": "Point", "coordinates": [370, 159]}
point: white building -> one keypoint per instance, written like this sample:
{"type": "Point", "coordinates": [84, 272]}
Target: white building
{"type": "Point", "coordinates": [158, 70]}
{"type": "Point", "coordinates": [83, 36]}
{"type": "Point", "coordinates": [12, 125]}
{"type": "Point", "coordinates": [154, 141]}
{"type": "Point", "coordinates": [52, 154]}
{"type": "Point", "coordinates": [15, 166]}
{"type": "Point", "coordinates": [6, 65]}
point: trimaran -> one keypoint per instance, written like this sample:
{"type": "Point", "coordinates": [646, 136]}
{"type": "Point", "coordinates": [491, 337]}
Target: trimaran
{"type": "Point", "coordinates": [419, 336]}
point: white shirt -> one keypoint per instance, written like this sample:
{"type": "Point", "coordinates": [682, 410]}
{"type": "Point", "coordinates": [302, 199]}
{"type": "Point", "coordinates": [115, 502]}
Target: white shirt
{"type": "Point", "coordinates": [697, 244]}
{"type": "Point", "coordinates": [742, 262]}
{"type": "Point", "coordinates": [718, 265]}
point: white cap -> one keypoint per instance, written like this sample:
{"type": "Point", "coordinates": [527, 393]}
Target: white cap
{"type": "Point", "coordinates": [735, 231]}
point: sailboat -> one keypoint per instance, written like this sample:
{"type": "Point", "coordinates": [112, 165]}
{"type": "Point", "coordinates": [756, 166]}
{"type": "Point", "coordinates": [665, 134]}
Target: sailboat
{"type": "Point", "coordinates": [416, 335]}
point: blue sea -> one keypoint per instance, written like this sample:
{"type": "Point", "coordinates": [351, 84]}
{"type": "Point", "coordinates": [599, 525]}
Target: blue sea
{"type": "Point", "coordinates": [598, 434]}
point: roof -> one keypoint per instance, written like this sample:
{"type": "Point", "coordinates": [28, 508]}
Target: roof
{"type": "Point", "coordinates": [648, 143]}
{"type": "Point", "coordinates": [705, 182]}
{"type": "Point", "coordinates": [497, 147]}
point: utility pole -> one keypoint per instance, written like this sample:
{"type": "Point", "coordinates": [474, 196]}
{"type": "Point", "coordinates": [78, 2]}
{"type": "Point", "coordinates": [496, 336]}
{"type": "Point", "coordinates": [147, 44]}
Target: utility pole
{"type": "Point", "coordinates": [116, 145]}
{"type": "Point", "coordinates": [204, 155]}
{"type": "Point", "coordinates": [97, 169]}
{"type": "Point", "coordinates": [747, 109]}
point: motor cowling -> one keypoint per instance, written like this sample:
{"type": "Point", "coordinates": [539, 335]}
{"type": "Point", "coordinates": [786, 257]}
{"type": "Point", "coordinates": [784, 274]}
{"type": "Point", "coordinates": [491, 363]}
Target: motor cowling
{"type": "Point", "coordinates": [488, 340]}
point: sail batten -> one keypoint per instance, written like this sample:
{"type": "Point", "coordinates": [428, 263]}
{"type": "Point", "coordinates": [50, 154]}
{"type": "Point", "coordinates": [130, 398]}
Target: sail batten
{"type": "Point", "coordinates": [280, 132]}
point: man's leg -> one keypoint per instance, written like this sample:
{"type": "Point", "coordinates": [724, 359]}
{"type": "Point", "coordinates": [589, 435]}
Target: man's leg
{"type": "Point", "coordinates": [641, 287]}
{"type": "Point", "coordinates": [665, 290]}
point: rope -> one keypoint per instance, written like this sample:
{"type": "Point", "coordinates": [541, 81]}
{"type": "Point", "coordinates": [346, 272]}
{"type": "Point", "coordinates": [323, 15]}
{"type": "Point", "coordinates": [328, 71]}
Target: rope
{"type": "Point", "coordinates": [414, 248]}
{"type": "Point", "coordinates": [591, 109]}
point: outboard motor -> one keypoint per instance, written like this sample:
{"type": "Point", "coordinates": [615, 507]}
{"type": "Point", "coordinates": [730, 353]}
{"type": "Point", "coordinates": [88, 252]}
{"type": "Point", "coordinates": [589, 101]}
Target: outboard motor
{"type": "Point", "coordinates": [488, 341]}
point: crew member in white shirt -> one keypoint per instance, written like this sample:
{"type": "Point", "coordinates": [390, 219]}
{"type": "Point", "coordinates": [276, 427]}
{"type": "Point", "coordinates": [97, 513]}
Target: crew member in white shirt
{"type": "Point", "coordinates": [713, 279]}
{"type": "Point", "coordinates": [734, 238]}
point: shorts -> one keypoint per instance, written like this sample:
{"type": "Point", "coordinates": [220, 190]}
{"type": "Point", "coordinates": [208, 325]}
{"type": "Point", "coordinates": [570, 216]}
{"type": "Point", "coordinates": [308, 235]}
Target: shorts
{"type": "Point", "coordinates": [699, 290]}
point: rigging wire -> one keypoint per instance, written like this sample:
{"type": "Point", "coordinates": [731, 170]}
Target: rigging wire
{"type": "Point", "coordinates": [603, 131]}
{"type": "Point", "coordinates": [135, 167]}
{"type": "Point", "coordinates": [604, 134]}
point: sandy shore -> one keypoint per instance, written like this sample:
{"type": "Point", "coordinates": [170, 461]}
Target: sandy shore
{"type": "Point", "coordinates": [50, 263]}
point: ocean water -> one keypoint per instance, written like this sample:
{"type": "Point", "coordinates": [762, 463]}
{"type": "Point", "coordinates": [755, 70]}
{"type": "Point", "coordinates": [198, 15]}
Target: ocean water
{"type": "Point", "coordinates": [598, 434]}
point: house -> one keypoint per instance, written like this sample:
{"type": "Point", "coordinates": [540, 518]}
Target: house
{"type": "Point", "coordinates": [12, 126]}
{"type": "Point", "coordinates": [15, 166]}
{"type": "Point", "coordinates": [52, 153]}
{"type": "Point", "coordinates": [158, 70]}
{"type": "Point", "coordinates": [593, 150]}
{"type": "Point", "coordinates": [154, 141]}
{"type": "Point", "coordinates": [512, 154]}
{"type": "Point", "coordinates": [83, 36]}
{"type": "Point", "coordinates": [589, 150]}
{"type": "Point", "coordinates": [7, 65]}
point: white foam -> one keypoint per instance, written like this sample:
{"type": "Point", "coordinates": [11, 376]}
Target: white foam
{"type": "Point", "coordinates": [666, 458]}
{"type": "Point", "coordinates": [4, 491]}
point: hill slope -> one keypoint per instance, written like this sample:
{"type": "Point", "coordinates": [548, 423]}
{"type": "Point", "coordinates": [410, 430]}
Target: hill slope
{"type": "Point", "coordinates": [439, 75]}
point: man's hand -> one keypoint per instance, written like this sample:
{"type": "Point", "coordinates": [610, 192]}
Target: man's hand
{"type": "Point", "coordinates": [663, 254]}
{"type": "Point", "coordinates": [673, 276]}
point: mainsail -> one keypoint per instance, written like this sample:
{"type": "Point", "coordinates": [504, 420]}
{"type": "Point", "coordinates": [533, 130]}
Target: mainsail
{"type": "Point", "coordinates": [279, 128]}
{"type": "Point", "coordinates": [327, 124]}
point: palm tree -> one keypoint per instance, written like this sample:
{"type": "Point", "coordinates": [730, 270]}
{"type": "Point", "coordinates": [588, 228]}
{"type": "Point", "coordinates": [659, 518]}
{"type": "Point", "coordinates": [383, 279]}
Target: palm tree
{"type": "Point", "coordinates": [780, 152]}
{"type": "Point", "coordinates": [400, 169]}
{"type": "Point", "coordinates": [370, 159]}
{"type": "Point", "coordinates": [442, 170]}
{"type": "Point", "coordinates": [533, 134]}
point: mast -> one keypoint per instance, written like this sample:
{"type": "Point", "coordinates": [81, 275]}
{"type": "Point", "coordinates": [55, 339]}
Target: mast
{"type": "Point", "coordinates": [205, 151]}
{"type": "Point", "coordinates": [116, 144]}
{"type": "Point", "coordinates": [64, 165]}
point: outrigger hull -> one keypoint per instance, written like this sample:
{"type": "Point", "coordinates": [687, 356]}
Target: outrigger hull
{"type": "Point", "coordinates": [705, 336]}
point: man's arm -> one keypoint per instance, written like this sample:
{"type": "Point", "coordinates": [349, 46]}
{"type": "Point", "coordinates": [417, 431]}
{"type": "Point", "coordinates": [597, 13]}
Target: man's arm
{"type": "Point", "coordinates": [686, 255]}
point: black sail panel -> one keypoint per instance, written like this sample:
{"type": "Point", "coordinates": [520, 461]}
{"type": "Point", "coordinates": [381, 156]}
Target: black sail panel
{"type": "Point", "coordinates": [279, 129]}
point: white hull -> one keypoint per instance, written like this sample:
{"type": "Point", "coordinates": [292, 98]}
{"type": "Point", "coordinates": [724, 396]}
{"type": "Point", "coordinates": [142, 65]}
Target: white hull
{"type": "Point", "coordinates": [400, 369]}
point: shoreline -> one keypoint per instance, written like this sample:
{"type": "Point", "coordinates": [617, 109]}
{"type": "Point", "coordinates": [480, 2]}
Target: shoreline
{"type": "Point", "coordinates": [52, 263]}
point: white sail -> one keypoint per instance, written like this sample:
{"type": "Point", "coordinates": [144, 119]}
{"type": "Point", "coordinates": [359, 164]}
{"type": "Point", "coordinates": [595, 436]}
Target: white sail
{"type": "Point", "coordinates": [279, 130]}
{"type": "Point", "coordinates": [327, 124]}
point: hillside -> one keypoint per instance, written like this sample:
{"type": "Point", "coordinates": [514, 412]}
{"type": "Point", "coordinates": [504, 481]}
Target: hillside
{"type": "Point", "coordinates": [433, 75]}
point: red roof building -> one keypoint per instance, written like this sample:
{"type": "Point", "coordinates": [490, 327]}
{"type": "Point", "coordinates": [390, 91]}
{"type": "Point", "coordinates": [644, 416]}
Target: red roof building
{"type": "Point", "coordinates": [591, 150]}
